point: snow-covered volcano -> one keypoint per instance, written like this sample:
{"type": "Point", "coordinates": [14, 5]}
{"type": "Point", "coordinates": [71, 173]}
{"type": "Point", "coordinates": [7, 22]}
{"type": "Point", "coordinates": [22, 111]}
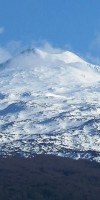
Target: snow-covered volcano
{"type": "Point", "coordinates": [50, 103]}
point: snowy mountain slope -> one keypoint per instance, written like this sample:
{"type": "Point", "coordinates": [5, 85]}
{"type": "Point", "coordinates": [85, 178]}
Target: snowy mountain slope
{"type": "Point", "coordinates": [50, 103]}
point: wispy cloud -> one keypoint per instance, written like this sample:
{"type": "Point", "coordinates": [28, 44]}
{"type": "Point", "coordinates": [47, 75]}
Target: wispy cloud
{"type": "Point", "coordinates": [2, 29]}
{"type": "Point", "coordinates": [4, 55]}
{"type": "Point", "coordinates": [93, 54]}
{"type": "Point", "coordinates": [49, 48]}
{"type": "Point", "coordinates": [95, 44]}
{"type": "Point", "coordinates": [93, 58]}
{"type": "Point", "coordinates": [14, 46]}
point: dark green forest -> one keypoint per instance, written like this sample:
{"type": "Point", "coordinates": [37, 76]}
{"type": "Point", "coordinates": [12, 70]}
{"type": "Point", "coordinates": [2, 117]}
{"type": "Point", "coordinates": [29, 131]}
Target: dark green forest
{"type": "Point", "coordinates": [47, 177]}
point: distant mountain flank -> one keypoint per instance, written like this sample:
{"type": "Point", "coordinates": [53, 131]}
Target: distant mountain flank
{"type": "Point", "coordinates": [50, 103]}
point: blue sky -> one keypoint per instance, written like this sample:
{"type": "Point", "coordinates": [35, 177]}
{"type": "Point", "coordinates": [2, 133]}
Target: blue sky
{"type": "Point", "coordinates": [67, 24]}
